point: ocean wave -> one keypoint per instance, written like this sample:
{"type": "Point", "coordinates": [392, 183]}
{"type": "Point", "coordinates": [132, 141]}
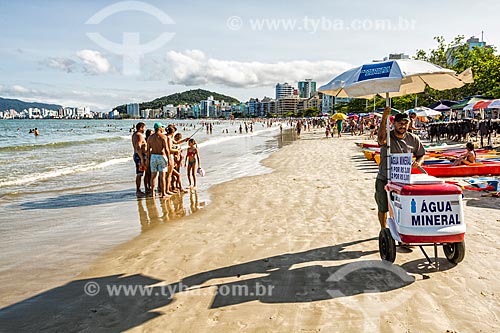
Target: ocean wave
{"type": "Point", "coordinates": [214, 141]}
{"type": "Point", "coordinates": [60, 144]}
{"type": "Point", "coordinates": [62, 172]}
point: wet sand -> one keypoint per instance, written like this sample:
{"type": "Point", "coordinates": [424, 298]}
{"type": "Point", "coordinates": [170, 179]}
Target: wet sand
{"type": "Point", "coordinates": [294, 250]}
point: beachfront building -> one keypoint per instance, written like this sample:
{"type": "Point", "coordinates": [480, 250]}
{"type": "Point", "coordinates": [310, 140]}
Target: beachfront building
{"type": "Point", "coordinates": [287, 105]}
{"type": "Point", "coordinates": [393, 56]}
{"type": "Point", "coordinates": [266, 107]}
{"type": "Point", "coordinates": [10, 114]}
{"type": "Point", "coordinates": [472, 42]}
{"type": "Point", "coordinates": [225, 109]}
{"type": "Point", "coordinates": [284, 90]}
{"type": "Point", "coordinates": [133, 109]}
{"type": "Point", "coordinates": [327, 103]}
{"type": "Point", "coordinates": [251, 107]}
{"type": "Point", "coordinates": [194, 111]}
{"type": "Point", "coordinates": [211, 108]}
{"type": "Point", "coordinates": [169, 111]}
{"type": "Point", "coordinates": [313, 102]}
{"type": "Point", "coordinates": [114, 114]}
{"type": "Point", "coordinates": [307, 88]}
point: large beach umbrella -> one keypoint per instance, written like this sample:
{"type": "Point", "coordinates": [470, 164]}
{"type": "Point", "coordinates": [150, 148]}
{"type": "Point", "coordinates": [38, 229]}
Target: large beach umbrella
{"type": "Point", "coordinates": [339, 116]}
{"type": "Point", "coordinates": [394, 78]}
{"type": "Point", "coordinates": [422, 111]}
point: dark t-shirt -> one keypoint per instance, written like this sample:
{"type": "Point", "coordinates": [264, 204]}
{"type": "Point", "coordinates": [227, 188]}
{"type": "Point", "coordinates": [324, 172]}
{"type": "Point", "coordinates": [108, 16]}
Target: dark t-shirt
{"type": "Point", "coordinates": [409, 144]}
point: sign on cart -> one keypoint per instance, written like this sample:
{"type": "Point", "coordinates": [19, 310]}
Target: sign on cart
{"type": "Point", "coordinates": [401, 168]}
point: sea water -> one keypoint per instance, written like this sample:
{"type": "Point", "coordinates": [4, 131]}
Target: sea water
{"type": "Point", "coordinates": [64, 194]}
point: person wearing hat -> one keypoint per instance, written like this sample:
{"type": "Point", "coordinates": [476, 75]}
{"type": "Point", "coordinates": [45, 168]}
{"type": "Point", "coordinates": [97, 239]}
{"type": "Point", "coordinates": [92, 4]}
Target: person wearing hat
{"type": "Point", "coordinates": [158, 153]}
{"type": "Point", "coordinates": [401, 141]}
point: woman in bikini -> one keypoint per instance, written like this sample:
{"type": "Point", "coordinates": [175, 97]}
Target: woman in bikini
{"type": "Point", "coordinates": [192, 157]}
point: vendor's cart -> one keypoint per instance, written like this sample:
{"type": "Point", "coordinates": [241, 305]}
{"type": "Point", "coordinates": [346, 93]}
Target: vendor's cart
{"type": "Point", "coordinates": [426, 212]}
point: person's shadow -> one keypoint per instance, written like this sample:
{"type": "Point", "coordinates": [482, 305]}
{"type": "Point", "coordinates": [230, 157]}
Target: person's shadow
{"type": "Point", "coordinates": [284, 278]}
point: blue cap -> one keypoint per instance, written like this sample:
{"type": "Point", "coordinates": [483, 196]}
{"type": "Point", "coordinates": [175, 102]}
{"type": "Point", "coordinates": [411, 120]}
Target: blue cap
{"type": "Point", "coordinates": [158, 125]}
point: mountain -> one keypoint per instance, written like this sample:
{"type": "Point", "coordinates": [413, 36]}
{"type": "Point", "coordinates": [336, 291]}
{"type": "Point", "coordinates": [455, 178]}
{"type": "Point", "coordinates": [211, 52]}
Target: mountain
{"type": "Point", "coordinates": [8, 103]}
{"type": "Point", "coordinates": [186, 97]}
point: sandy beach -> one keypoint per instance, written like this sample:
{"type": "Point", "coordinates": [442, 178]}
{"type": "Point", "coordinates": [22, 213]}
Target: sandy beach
{"type": "Point", "coordinates": [294, 250]}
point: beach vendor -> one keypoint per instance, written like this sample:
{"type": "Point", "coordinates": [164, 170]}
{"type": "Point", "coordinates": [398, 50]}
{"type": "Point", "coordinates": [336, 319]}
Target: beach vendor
{"type": "Point", "coordinates": [401, 142]}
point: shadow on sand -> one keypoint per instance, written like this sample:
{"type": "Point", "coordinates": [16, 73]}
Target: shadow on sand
{"type": "Point", "coordinates": [283, 278]}
{"type": "Point", "coordinates": [81, 200]}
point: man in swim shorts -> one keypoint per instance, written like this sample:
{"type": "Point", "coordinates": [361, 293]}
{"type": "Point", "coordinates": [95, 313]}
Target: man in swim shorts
{"type": "Point", "coordinates": [140, 158]}
{"type": "Point", "coordinates": [158, 152]}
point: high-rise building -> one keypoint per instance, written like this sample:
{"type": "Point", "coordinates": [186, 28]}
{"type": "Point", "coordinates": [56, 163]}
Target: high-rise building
{"type": "Point", "coordinates": [133, 109]}
{"type": "Point", "coordinates": [306, 88]}
{"type": "Point", "coordinates": [283, 90]}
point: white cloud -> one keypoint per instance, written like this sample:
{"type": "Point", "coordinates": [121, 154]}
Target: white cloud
{"type": "Point", "coordinates": [65, 64]}
{"type": "Point", "coordinates": [192, 67]}
{"type": "Point", "coordinates": [94, 61]}
{"type": "Point", "coordinates": [20, 89]}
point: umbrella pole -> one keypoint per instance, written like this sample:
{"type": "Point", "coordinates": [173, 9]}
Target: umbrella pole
{"type": "Point", "coordinates": [388, 129]}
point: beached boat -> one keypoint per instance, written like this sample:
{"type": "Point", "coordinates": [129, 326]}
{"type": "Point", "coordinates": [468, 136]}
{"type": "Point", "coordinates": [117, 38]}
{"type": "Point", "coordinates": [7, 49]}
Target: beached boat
{"type": "Point", "coordinates": [449, 170]}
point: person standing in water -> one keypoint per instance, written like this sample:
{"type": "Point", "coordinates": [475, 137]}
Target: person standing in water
{"type": "Point", "coordinates": [140, 158]}
{"type": "Point", "coordinates": [192, 157]}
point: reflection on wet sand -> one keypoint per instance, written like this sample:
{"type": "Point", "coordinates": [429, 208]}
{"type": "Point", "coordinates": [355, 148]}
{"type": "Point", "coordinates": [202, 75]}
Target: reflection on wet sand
{"type": "Point", "coordinates": [156, 211]}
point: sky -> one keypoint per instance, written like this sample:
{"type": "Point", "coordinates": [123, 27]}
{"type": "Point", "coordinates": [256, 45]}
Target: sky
{"type": "Point", "coordinates": [107, 53]}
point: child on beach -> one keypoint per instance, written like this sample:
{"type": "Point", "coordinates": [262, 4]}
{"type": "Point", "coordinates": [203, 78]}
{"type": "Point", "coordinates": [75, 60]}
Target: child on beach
{"type": "Point", "coordinates": [192, 157]}
{"type": "Point", "coordinates": [147, 172]}
{"type": "Point", "coordinates": [176, 175]}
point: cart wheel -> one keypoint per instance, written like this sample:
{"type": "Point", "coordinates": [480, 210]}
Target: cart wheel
{"type": "Point", "coordinates": [386, 245]}
{"type": "Point", "coordinates": [454, 252]}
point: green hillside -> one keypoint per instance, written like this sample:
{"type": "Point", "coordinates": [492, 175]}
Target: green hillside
{"type": "Point", "coordinates": [18, 105]}
{"type": "Point", "coordinates": [186, 97]}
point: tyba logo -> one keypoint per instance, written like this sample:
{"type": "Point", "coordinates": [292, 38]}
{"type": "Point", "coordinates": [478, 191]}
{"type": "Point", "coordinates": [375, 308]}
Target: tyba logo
{"type": "Point", "coordinates": [131, 49]}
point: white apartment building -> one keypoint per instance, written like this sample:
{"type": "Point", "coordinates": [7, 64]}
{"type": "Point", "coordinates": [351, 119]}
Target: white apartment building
{"type": "Point", "coordinates": [283, 90]}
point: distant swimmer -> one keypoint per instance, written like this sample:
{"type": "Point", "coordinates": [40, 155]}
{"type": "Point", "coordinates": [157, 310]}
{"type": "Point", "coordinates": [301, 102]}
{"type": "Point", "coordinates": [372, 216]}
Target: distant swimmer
{"type": "Point", "coordinates": [37, 133]}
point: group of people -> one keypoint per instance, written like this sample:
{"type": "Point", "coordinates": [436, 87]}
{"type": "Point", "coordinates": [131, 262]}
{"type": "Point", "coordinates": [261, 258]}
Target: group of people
{"type": "Point", "coordinates": [34, 131]}
{"type": "Point", "coordinates": [158, 158]}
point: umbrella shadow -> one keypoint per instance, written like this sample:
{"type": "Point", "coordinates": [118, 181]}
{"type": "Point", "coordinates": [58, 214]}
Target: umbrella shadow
{"type": "Point", "coordinates": [284, 278]}
{"type": "Point", "coordinates": [80, 200]}
{"type": "Point", "coordinates": [281, 281]}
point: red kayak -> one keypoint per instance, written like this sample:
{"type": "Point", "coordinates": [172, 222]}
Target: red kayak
{"type": "Point", "coordinates": [475, 169]}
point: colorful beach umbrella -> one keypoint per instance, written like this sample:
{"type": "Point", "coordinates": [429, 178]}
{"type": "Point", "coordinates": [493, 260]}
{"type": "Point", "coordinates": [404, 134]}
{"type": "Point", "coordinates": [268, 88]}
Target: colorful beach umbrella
{"type": "Point", "coordinates": [339, 116]}
{"type": "Point", "coordinates": [441, 107]}
{"type": "Point", "coordinates": [495, 104]}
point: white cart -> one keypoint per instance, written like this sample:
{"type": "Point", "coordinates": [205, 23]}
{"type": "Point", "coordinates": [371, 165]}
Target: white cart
{"type": "Point", "coordinates": [426, 212]}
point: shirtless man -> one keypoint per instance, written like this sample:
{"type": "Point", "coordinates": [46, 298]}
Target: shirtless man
{"type": "Point", "coordinates": [139, 144]}
{"type": "Point", "coordinates": [158, 153]}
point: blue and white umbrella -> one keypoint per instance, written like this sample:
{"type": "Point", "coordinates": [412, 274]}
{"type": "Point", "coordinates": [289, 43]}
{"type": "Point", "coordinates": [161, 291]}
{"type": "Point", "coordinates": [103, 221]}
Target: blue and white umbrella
{"type": "Point", "coordinates": [394, 78]}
